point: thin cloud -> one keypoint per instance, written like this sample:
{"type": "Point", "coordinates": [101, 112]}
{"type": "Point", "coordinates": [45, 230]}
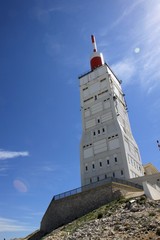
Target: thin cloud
{"type": "Point", "coordinates": [128, 9]}
{"type": "Point", "coordinates": [43, 11]}
{"type": "Point", "coordinates": [10, 225]}
{"type": "Point", "coordinates": [50, 10]}
{"type": "Point", "coordinates": [37, 214]}
{"type": "Point", "coordinates": [43, 15]}
{"type": "Point", "coordinates": [52, 45]}
{"type": "Point", "coordinates": [46, 168]}
{"type": "Point", "coordinates": [4, 167]}
{"type": "Point", "coordinates": [151, 47]}
{"type": "Point", "coordinates": [9, 154]}
{"type": "Point", "coordinates": [144, 37]}
{"type": "Point", "coordinates": [124, 70]}
{"type": "Point", "coordinates": [71, 82]}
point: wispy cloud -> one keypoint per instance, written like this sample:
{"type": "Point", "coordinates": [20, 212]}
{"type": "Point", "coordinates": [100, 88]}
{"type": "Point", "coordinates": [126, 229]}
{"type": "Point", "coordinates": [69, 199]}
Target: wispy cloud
{"type": "Point", "coordinates": [37, 214]}
{"type": "Point", "coordinates": [56, 47]}
{"type": "Point", "coordinates": [53, 45]}
{"type": "Point", "coordinates": [124, 70]}
{"type": "Point", "coordinates": [149, 39]}
{"type": "Point", "coordinates": [142, 58]}
{"type": "Point", "coordinates": [127, 10]}
{"type": "Point", "coordinates": [43, 14]}
{"type": "Point", "coordinates": [9, 154]}
{"type": "Point", "coordinates": [10, 225]}
{"type": "Point", "coordinates": [44, 10]}
{"type": "Point", "coordinates": [71, 82]}
{"type": "Point", "coordinates": [3, 168]}
{"type": "Point", "coordinates": [47, 168]}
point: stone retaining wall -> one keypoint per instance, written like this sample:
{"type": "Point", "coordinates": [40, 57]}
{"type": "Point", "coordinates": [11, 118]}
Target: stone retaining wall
{"type": "Point", "coordinates": [67, 209]}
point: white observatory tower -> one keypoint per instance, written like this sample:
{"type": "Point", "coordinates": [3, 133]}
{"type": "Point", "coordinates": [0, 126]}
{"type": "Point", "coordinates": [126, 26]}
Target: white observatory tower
{"type": "Point", "coordinates": [108, 148]}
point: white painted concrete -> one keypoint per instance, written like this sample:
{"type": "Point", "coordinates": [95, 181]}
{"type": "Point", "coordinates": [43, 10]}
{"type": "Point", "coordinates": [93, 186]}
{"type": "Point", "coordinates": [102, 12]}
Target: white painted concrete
{"type": "Point", "coordinates": [151, 191]}
{"type": "Point", "coordinates": [105, 121]}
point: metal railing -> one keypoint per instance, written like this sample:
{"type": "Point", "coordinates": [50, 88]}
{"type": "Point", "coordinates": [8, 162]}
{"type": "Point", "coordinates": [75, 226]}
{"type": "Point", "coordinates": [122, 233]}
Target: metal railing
{"type": "Point", "coordinates": [96, 184]}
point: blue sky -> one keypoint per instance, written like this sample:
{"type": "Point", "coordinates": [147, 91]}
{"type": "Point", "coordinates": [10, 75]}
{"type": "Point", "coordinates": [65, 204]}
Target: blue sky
{"type": "Point", "coordinates": [44, 46]}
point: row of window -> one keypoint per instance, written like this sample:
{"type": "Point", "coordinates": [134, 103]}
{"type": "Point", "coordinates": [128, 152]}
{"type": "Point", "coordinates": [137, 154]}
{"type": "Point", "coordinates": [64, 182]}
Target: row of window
{"type": "Point", "coordinates": [88, 99]}
{"type": "Point", "coordinates": [134, 164]}
{"type": "Point", "coordinates": [99, 132]}
{"type": "Point", "coordinates": [87, 145]}
{"type": "Point", "coordinates": [102, 80]}
{"type": "Point", "coordinates": [95, 98]}
{"type": "Point", "coordinates": [102, 131]}
{"type": "Point", "coordinates": [98, 178]}
{"type": "Point", "coordinates": [100, 164]}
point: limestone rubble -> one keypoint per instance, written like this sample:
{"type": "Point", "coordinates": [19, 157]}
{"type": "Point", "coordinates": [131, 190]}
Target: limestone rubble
{"type": "Point", "coordinates": [122, 220]}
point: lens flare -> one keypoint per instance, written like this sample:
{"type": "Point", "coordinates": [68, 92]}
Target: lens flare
{"type": "Point", "coordinates": [137, 50]}
{"type": "Point", "coordinates": [20, 186]}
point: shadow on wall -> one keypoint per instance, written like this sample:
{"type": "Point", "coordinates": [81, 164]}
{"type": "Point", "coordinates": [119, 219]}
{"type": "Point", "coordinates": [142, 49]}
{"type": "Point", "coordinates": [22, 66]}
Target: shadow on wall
{"type": "Point", "coordinates": [37, 235]}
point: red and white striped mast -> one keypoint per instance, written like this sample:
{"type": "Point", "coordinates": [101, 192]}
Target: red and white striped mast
{"type": "Point", "coordinates": [96, 58]}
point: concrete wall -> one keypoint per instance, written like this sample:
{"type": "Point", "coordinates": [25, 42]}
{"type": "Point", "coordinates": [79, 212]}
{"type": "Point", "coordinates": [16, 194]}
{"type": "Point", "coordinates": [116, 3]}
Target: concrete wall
{"type": "Point", "coordinates": [126, 189]}
{"type": "Point", "coordinates": [150, 191]}
{"type": "Point", "coordinates": [65, 210]}
{"type": "Point", "coordinates": [152, 179]}
{"type": "Point", "coordinates": [108, 148]}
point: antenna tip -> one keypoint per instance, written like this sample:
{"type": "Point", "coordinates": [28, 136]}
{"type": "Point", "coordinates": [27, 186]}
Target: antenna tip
{"type": "Point", "coordinates": [92, 38]}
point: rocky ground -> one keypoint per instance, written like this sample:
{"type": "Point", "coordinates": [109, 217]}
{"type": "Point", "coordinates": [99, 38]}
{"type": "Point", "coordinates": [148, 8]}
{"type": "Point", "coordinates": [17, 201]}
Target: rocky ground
{"type": "Point", "coordinates": [134, 219]}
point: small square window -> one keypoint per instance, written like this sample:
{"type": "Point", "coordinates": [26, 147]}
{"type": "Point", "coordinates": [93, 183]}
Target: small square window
{"type": "Point", "coordinates": [99, 131]}
{"type": "Point", "coordinates": [93, 166]}
{"type": "Point", "coordinates": [86, 168]}
{"type": "Point", "coordinates": [115, 159]}
{"type": "Point", "coordinates": [122, 172]}
{"type": "Point", "coordinates": [103, 129]}
{"type": "Point", "coordinates": [100, 164]}
{"type": "Point", "coordinates": [108, 161]}
{"type": "Point", "coordinates": [94, 133]}
{"type": "Point", "coordinates": [98, 120]}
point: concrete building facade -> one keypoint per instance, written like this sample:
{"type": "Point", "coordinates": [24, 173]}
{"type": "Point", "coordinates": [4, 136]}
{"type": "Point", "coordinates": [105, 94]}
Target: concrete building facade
{"type": "Point", "coordinates": [150, 169]}
{"type": "Point", "coordinates": [108, 148]}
